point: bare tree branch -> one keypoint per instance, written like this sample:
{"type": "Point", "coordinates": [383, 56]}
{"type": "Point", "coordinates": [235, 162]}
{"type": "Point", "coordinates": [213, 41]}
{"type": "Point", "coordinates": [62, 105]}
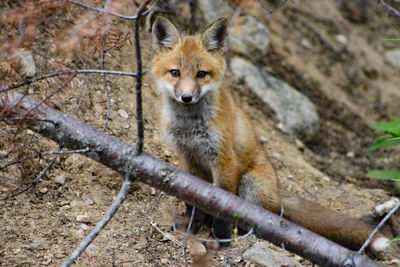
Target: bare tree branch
{"type": "Point", "coordinates": [138, 81]}
{"type": "Point", "coordinates": [118, 155]}
{"type": "Point", "coordinates": [105, 11]}
{"type": "Point", "coordinates": [52, 75]}
{"type": "Point", "coordinates": [101, 224]}
{"type": "Point", "coordinates": [389, 8]}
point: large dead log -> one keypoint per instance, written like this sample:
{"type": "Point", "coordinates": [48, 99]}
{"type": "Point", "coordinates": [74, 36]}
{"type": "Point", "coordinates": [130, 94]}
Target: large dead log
{"type": "Point", "coordinates": [120, 157]}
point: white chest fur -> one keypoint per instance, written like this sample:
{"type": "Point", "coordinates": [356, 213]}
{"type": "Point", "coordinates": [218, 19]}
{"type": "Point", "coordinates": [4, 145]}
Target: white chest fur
{"type": "Point", "coordinates": [189, 131]}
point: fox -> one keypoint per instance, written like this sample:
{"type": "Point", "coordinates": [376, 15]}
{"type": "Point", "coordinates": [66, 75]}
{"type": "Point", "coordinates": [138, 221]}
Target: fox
{"type": "Point", "coordinates": [216, 141]}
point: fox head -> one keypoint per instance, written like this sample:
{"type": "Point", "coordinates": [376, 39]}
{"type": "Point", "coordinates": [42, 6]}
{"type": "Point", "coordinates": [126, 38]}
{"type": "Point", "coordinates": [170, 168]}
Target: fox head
{"type": "Point", "coordinates": [187, 68]}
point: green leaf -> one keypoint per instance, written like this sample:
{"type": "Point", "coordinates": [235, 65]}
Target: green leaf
{"type": "Point", "coordinates": [394, 240]}
{"type": "Point", "coordinates": [392, 39]}
{"type": "Point", "coordinates": [389, 127]}
{"type": "Point", "coordinates": [393, 175]}
{"type": "Point", "coordinates": [384, 142]}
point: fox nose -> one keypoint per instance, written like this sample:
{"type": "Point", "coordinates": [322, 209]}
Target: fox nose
{"type": "Point", "coordinates": [187, 98]}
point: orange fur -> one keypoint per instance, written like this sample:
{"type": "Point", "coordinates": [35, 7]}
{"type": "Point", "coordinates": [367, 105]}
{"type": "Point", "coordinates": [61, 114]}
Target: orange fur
{"type": "Point", "coordinates": [216, 140]}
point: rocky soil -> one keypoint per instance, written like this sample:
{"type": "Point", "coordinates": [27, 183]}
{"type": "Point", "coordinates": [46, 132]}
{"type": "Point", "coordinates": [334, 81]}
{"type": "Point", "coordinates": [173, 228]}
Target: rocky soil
{"type": "Point", "coordinates": [333, 53]}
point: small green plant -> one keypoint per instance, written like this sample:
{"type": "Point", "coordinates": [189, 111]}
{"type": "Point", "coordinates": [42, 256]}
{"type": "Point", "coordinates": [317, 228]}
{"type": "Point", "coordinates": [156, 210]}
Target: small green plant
{"type": "Point", "coordinates": [390, 136]}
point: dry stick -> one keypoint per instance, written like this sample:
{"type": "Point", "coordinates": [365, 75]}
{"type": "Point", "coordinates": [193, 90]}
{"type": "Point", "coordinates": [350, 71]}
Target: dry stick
{"type": "Point", "coordinates": [215, 201]}
{"type": "Point", "coordinates": [34, 181]}
{"type": "Point", "coordinates": [128, 167]}
{"type": "Point", "coordinates": [102, 223]}
{"type": "Point", "coordinates": [51, 75]}
{"type": "Point", "coordinates": [138, 80]}
{"type": "Point", "coordinates": [371, 236]}
{"type": "Point", "coordinates": [103, 67]}
{"type": "Point", "coordinates": [166, 235]}
{"type": "Point", "coordinates": [389, 8]}
{"type": "Point", "coordinates": [269, 12]}
{"type": "Point", "coordinates": [184, 246]}
{"type": "Point", "coordinates": [101, 10]}
{"type": "Point", "coordinates": [59, 152]}
{"type": "Point", "coordinates": [187, 236]}
{"type": "Point", "coordinates": [150, 212]}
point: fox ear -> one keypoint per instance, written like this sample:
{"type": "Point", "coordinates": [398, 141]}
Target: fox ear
{"type": "Point", "coordinates": [214, 38]}
{"type": "Point", "coordinates": [165, 34]}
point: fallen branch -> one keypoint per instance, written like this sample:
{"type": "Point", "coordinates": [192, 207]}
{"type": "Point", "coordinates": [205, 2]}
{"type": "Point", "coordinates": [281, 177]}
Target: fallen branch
{"type": "Point", "coordinates": [117, 155]}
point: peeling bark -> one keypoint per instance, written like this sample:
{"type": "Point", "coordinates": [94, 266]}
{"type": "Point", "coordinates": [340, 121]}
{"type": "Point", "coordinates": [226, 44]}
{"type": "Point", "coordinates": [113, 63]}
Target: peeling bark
{"type": "Point", "coordinates": [121, 157]}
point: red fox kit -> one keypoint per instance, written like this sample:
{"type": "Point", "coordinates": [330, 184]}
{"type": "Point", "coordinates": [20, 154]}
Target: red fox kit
{"type": "Point", "coordinates": [216, 141]}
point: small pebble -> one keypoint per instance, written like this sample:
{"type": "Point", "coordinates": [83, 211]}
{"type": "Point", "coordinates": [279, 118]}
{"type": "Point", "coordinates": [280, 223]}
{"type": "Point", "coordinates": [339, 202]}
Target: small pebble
{"type": "Point", "coordinates": [237, 259]}
{"type": "Point", "coordinates": [84, 226]}
{"type": "Point", "coordinates": [60, 179]}
{"type": "Point", "coordinates": [43, 190]}
{"type": "Point", "coordinates": [306, 44]}
{"type": "Point", "coordinates": [38, 244]}
{"type": "Point", "coordinates": [80, 233]}
{"type": "Point", "coordinates": [83, 218]}
{"type": "Point", "coordinates": [89, 202]}
{"type": "Point", "coordinates": [164, 261]}
{"type": "Point", "coordinates": [123, 114]}
{"type": "Point", "coordinates": [153, 191]}
{"type": "Point", "coordinates": [341, 39]}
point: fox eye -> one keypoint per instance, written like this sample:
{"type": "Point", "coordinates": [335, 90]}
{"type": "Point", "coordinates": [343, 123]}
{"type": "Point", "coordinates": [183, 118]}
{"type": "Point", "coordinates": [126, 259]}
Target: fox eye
{"type": "Point", "coordinates": [175, 73]}
{"type": "Point", "coordinates": [201, 74]}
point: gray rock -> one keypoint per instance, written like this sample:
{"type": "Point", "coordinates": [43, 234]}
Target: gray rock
{"type": "Point", "coordinates": [393, 57]}
{"type": "Point", "coordinates": [39, 244]}
{"type": "Point", "coordinates": [26, 63]}
{"type": "Point", "coordinates": [262, 255]}
{"type": "Point", "coordinates": [293, 112]}
{"type": "Point", "coordinates": [251, 38]}
{"type": "Point", "coordinates": [60, 179]}
{"type": "Point", "coordinates": [89, 202]}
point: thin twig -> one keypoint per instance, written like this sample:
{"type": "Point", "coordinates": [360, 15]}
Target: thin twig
{"type": "Point", "coordinates": [183, 248]}
{"type": "Point", "coordinates": [150, 212]}
{"type": "Point", "coordinates": [371, 236]}
{"type": "Point", "coordinates": [51, 75]}
{"type": "Point", "coordinates": [106, 12]}
{"type": "Point", "coordinates": [166, 235]}
{"type": "Point", "coordinates": [187, 236]}
{"type": "Point", "coordinates": [101, 224]}
{"type": "Point", "coordinates": [104, 37]}
{"type": "Point", "coordinates": [269, 12]}
{"type": "Point", "coordinates": [34, 181]}
{"type": "Point", "coordinates": [47, 153]}
{"type": "Point", "coordinates": [138, 81]}
{"type": "Point", "coordinates": [389, 8]}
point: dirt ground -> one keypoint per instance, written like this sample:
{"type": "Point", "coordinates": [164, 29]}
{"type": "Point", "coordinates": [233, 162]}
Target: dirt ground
{"type": "Point", "coordinates": [332, 51]}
